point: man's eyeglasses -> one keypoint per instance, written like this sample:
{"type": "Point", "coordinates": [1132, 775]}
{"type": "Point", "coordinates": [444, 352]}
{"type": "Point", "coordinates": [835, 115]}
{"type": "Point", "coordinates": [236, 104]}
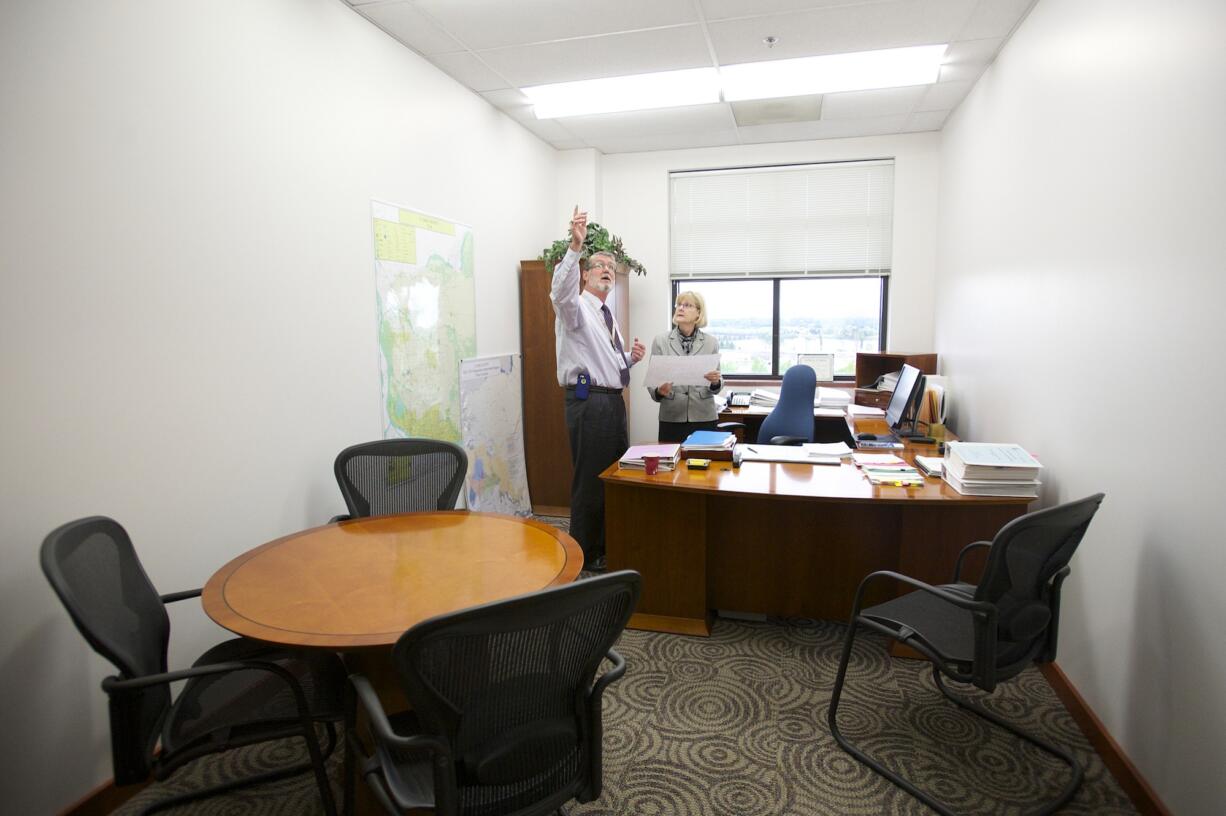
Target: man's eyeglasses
{"type": "Point", "coordinates": [612, 267]}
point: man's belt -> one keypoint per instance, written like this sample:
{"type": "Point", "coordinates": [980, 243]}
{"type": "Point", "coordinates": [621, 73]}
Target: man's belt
{"type": "Point", "coordinates": [597, 389]}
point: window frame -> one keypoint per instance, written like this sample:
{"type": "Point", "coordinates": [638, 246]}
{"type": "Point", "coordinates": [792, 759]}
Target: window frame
{"type": "Point", "coordinates": [776, 281]}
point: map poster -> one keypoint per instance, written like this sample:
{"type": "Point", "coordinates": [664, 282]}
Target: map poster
{"type": "Point", "coordinates": [426, 319]}
{"type": "Point", "coordinates": [491, 417]}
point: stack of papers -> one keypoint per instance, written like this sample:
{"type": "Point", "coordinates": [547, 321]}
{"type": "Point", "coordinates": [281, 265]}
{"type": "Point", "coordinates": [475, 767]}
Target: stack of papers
{"type": "Point", "coordinates": [930, 465]}
{"type": "Point", "coordinates": [763, 398]}
{"type": "Point", "coordinates": [835, 449]}
{"type": "Point", "coordinates": [887, 469]}
{"type": "Point", "coordinates": [832, 397]}
{"type": "Point", "coordinates": [992, 469]}
{"type": "Point", "coordinates": [709, 441]}
{"type": "Point", "coordinates": [787, 453]}
{"type": "Point", "coordinates": [668, 453]}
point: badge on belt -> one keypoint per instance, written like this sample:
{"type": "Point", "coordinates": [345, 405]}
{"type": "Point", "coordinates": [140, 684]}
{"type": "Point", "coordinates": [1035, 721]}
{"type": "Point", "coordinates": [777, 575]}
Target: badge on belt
{"type": "Point", "coordinates": [582, 385]}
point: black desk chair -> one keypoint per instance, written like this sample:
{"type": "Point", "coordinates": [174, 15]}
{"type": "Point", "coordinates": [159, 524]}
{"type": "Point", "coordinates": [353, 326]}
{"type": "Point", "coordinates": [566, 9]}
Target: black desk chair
{"type": "Point", "coordinates": [400, 476]}
{"type": "Point", "coordinates": [982, 634]}
{"type": "Point", "coordinates": [505, 714]}
{"type": "Point", "coordinates": [791, 421]}
{"type": "Point", "coordinates": [240, 692]}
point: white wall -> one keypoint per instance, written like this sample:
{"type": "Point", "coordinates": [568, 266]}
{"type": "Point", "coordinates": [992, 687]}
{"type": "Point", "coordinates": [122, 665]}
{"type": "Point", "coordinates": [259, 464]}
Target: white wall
{"type": "Point", "coordinates": [635, 206]}
{"type": "Point", "coordinates": [1081, 253]}
{"type": "Point", "coordinates": [187, 310]}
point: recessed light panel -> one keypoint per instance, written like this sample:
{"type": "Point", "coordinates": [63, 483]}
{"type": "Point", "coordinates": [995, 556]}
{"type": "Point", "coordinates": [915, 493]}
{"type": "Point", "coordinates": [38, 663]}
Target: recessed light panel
{"type": "Point", "coordinates": [665, 89]}
{"type": "Point", "coordinates": [890, 68]}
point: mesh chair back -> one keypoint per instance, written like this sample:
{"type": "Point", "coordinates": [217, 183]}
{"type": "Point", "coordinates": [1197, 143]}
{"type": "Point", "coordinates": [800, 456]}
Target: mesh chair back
{"type": "Point", "coordinates": [400, 476]}
{"type": "Point", "coordinates": [793, 414]}
{"type": "Point", "coordinates": [93, 568]}
{"type": "Point", "coordinates": [1025, 556]}
{"type": "Point", "coordinates": [505, 685]}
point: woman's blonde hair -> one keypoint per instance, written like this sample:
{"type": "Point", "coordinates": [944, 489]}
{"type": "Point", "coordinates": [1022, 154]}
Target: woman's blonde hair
{"type": "Point", "coordinates": [696, 299]}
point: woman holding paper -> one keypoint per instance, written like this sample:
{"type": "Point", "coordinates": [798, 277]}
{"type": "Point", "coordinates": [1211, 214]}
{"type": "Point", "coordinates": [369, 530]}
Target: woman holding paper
{"type": "Point", "coordinates": [686, 408]}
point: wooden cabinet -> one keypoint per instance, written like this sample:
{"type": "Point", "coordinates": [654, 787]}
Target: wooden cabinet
{"type": "Point", "coordinates": [546, 443]}
{"type": "Point", "coordinates": [871, 365]}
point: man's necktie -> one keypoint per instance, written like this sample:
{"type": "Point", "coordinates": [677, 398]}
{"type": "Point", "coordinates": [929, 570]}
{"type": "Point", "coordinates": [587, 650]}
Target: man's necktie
{"type": "Point", "coordinates": [617, 344]}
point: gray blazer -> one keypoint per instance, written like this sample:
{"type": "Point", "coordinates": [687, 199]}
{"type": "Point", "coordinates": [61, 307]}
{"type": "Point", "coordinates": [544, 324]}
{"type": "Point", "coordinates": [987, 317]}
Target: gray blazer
{"type": "Point", "coordinates": [686, 403]}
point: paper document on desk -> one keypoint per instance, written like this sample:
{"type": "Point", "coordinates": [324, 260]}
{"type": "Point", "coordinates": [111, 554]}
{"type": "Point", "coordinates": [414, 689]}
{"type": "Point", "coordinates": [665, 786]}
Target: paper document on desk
{"type": "Point", "coordinates": [784, 453]}
{"type": "Point", "coordinates": [680, 369]}
{"type": "Point", "coordinates": [864, 410]}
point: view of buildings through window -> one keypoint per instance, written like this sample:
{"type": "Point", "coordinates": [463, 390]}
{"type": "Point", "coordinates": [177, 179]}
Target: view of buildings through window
{"type": "Point", "coordinates": [816, 315]}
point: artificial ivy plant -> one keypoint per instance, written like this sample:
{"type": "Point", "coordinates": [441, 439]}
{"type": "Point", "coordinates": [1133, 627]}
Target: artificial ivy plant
{"type": "Point", "coordinates": [598, 240]}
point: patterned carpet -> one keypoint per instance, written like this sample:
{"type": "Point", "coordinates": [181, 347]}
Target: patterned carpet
{"type": "Point", "coordinates": [735, 724]}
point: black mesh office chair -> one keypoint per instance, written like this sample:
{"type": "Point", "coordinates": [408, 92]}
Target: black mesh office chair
{"type": "Point", "coordinates": [400, 476]}
{"type": "Point", "coordinates": [505, 717]}
{"type": "Point", "coordinates": [239, 692]}
{"type": "Point", "coordinates": [982, 634]}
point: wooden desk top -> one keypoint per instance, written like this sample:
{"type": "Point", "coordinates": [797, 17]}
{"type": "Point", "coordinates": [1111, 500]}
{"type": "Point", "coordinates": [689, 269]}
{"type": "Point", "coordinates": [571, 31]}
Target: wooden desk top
{"type": "Point", "coordinates": [362, 583]}
{"type": "Point", "coordinates": [782, 480]}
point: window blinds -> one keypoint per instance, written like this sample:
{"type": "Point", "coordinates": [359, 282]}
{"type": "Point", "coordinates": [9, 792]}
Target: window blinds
{"type": "Point", "coordinates": [815, 219]}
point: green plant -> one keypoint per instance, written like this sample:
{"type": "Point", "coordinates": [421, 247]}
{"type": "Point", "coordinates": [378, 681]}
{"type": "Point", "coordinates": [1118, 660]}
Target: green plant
{"type": "Point", "coordinates": [598, 240]}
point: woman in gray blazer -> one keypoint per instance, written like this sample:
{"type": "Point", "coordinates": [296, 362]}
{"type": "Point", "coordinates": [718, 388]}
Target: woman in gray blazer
{"type": "Point", "coordinates": [686, 408]}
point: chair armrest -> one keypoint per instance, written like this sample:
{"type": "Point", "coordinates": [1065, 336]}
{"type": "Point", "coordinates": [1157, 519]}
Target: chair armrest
{"type": "Point", "coordinates": [179, 596]}
{"type": "Point", "coordinates": [958, 564]}
{"type": "Point", "coordinates": [615, 673]}
{"type": "Point", "coordinates": [342, 517]}
{"type": "Point", "coordinates": [113, 684]}
{"type": "Point", "coordinates": [977, 607]}
{"type": "Point", "coordinates": [380, 725]}
{"type": "Point", "coordinates": [788, 440]}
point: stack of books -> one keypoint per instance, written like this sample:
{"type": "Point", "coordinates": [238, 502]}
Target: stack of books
{"type": "Point", "coordinates": [708, 445]}
{"type": "Point", "coordinates": [668, 454]}
{"type": "Point", "coordinates": [992, 469]}
{"type": "Point", "coordinates": [887, 469]}
{"type": "Point", "coordinates": [832, 398]}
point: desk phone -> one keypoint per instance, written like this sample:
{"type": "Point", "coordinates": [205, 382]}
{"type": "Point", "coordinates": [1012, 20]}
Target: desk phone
{"type": "Point", "coordinates": [739, 399]}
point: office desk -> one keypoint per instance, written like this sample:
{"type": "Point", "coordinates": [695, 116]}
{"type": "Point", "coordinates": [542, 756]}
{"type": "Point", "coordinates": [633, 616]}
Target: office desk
{"type": "Point", "coordinates": [782, 539]}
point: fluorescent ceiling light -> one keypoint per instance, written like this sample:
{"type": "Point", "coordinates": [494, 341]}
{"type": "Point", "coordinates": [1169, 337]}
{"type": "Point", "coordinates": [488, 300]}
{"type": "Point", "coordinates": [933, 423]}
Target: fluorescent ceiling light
{"type": "Point", "coordinates": [891, 68]}
{"type": "Point", "coordinates": [666, 89]}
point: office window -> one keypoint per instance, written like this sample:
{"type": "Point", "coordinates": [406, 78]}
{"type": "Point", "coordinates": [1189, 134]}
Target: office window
{"type": "Point", "coordinates": [791, 260]}
{"type": "Point", "coordinates": [764, 326]}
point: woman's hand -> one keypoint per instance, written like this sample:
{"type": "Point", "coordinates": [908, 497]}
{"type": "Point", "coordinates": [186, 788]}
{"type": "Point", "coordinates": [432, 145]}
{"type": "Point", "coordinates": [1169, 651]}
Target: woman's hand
{"type": "Point", "coordinates": [665, 389]}
{"type": "Point", "coordinates": [712, 377]}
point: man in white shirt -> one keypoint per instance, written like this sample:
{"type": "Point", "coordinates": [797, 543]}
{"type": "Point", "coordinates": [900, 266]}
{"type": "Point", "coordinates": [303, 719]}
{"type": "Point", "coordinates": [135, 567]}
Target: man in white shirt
{"type": "Point", "coordinates": [593, 367]}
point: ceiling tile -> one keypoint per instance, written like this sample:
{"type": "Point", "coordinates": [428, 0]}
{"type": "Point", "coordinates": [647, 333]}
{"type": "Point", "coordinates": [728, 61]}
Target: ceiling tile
{"type": "Point", "coordinates": [363, 2]}
{"type": "Point", "coordinates": [774, 111]}
{"type": "Point", "coordinates": [497, 23]}
{"type": "Point", "coordinates": [864, 104]}
{"type": "Point", "coordinates": [691, 119]}
{"type": "Point", "coordinates": [926, 120]}
{"type": "Point", "coordinates": [994, 18]}
{"type": "Point", "coordinates": [878, 126]}
{"type": "Point", "coordinates": [664, 141]}
{"type": "Point", "coordinates": [781, 132]}
{"type": "Point", "coordinates": [840, 30]}
{"type": "Point", "coordinates": [411, 27]}
{"type": "Point", "coordinates": [507, 98]}
{"type": "Point", "coordinates": [569, 144]}
{"type": "Point", "coordinates": [944, 95]}
{"type": "Point", "coordinates": [615, 55]}
{"type": "Point", "coordinates": [469, 70]}
{"type": "Point", "coordinates": [966, 60]}
{"type": "Point", "coordinates": [723, 9]}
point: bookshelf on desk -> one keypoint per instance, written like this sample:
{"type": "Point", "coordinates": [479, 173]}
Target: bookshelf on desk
{"type": "Point", "coordinates": [784, 539]}
{"type": "Point", "coordinates": [872, 364]}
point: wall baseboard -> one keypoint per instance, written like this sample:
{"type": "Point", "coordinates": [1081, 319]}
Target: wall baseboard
{"type": "Point", "coordinates": [102, 800]}
{"type": "Point", "coordinates": [1139, 791]}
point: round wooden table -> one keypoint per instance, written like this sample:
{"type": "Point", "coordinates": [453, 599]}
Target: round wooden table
{"type": "Point", "coordinates": [362, 583]}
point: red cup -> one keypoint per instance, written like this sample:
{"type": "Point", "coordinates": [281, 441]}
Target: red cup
{"type": "Point", "coordinates": [651, 464]}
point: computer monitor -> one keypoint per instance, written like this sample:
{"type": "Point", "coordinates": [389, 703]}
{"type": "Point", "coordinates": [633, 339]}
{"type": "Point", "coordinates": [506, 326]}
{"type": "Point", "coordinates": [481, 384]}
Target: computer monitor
{"type": "Point", "coordinates": [906, 395]}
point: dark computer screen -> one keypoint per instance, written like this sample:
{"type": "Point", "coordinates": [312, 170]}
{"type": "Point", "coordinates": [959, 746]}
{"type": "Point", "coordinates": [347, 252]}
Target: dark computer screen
{"type": "Point", "coordinates": [906, 394]}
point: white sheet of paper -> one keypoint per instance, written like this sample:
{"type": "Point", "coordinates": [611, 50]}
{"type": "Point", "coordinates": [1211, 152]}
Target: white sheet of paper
{"type": "Point", "coordinates": [784, 453]}
{"type": "Point", "coordinates": [680, 369]}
